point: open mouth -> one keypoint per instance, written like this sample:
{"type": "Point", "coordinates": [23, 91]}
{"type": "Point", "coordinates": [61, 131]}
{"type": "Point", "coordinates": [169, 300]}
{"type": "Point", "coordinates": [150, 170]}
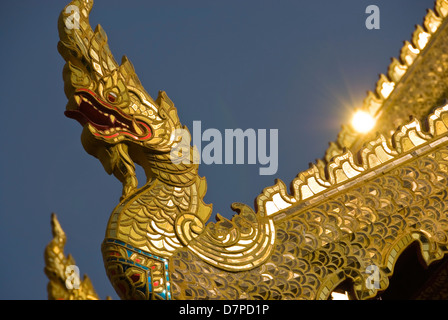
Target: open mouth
{"type": "Point", "coordinates": [108, 121]}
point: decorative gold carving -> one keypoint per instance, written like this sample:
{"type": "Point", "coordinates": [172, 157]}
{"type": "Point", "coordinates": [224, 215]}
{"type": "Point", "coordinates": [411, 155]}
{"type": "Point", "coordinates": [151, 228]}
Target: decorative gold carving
{"type": "Point", "coordinates": [321, 245]}
{"type": "Point", "coordinates": [59, 269]}
{"type": "Point", "coordinates": [238, 244]}
{"type": "Point", "coordinates": [424, 81]}
{"type": "Point", "coordinates": [360, 207]}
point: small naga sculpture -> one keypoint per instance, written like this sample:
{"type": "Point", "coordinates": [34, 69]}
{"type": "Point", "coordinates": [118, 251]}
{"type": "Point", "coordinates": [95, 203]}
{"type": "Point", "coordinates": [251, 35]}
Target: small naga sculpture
{"type": "Point", "coordinates": [349, 218]}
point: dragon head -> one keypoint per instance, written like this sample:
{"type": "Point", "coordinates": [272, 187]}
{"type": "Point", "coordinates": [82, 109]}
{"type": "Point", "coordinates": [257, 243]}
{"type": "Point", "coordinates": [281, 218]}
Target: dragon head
{"type": "Point", "coordinates": [118, 116]}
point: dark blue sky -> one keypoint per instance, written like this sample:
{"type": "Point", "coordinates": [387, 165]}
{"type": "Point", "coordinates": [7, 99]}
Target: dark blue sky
{"type": "Point", "coordinates": [297, 66]}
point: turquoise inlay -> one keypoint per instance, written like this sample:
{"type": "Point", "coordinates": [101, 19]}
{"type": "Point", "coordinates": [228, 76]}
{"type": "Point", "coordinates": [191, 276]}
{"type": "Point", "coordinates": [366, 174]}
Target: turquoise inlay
{"type": "Point", "coordinates": [163, 294]}
{"type": "Point", "coordinates": [143, 267]}
{"type": "Point", "coordinates": [149, 283]}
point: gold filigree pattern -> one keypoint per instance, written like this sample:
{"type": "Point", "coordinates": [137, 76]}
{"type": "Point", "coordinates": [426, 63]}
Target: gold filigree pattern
{"type": "Point", "coordinates": [236, 245]}
{"type": "Point", "coordinates": [322, 245]}
{"type": "Point", "coordinates": [359, 207]}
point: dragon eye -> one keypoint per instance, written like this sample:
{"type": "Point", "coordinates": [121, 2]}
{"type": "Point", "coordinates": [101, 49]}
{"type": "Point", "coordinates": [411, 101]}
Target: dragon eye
{"type": "Point", "coordinates": [112, 96]}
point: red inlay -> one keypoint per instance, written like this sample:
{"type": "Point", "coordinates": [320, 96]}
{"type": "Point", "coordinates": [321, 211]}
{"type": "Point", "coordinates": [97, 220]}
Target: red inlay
{"type": "Point", "coordinates": [128, 134]}
{"type": "Point", "coordinates": [135, 277]}
{"type": "Point", "coordinates": [96, 97]}
{"type": "Point", "coordinates": [156, 283]}
{"type": "Point", "coordinates": [133, 136]}
{"type": "Point", "coordinates": [111, 97]}
{"type": "Point", "coordinates": [122, 288]}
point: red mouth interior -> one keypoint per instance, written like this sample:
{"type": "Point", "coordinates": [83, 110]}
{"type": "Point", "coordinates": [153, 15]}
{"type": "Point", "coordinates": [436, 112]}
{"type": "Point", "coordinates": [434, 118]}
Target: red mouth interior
{"type": "Point", "coordinates": [102, 117]}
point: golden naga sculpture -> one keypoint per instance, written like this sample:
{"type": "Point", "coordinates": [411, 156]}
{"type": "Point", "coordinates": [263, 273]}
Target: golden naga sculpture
{"type": "Point", "coordinates": [350, 216]}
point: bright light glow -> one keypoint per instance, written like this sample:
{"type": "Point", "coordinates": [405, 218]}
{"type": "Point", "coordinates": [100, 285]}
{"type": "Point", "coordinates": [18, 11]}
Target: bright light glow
{"type": "Point", "coordinates": [339, 296]}
{"type": "Point", "coordinates": [363, 122]}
